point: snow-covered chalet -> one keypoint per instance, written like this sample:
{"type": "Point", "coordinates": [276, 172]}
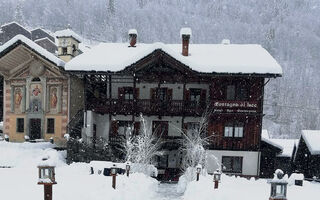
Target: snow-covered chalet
{"type": "Point", "coordinates": [172, 85]}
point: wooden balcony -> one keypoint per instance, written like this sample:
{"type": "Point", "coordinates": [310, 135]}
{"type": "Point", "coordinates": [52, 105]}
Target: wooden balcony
{"type": "Point", "coordinates": [147, 107]}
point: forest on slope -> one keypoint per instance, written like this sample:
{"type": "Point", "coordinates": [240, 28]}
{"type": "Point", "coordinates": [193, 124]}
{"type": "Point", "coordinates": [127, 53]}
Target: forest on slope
{"type": "Point", "coordinates": [288, 29]}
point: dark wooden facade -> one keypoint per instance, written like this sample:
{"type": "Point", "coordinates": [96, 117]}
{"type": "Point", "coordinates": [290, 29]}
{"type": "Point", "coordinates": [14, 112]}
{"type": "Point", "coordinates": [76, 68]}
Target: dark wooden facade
{"type": "Point", "coordinates": [160, 68]}
{"type": "Point", "coordinates": [305, 162]}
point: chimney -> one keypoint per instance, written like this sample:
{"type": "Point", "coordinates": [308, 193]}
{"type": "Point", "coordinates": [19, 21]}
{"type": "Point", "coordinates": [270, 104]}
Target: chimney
{"type": "Point", "coordinates": [133, 37]}
{"type": "Point", "coordinates": [185, 34]}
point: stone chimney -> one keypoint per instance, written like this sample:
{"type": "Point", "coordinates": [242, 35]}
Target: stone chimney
{"type": "Point", "coordinates": [185, 34]}
{"type": "Point", "coordinates": [133, 37]}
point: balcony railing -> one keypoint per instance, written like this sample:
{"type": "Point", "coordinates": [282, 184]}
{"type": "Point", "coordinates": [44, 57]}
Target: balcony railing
{"type": "Point", "coordinates": [147, 107]}
{"type": "Point", "coordinates": [170, 108]}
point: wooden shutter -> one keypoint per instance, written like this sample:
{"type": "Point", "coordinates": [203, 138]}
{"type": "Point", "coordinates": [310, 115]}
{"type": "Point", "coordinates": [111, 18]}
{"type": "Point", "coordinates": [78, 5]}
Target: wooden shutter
{"type": "Point", "coordinates": [136, 128]}
{"type": "Point", "coordinates": [203, 96]}
{"type": "Point", "coordinates": [153, 94]}
{"type": "Point", "coordinates": [187, 95]}
{"type": "Point", "coordinates": [169, 93]}
{"type": "Point", "coordinates": [166, 127]}
{"type": "Point", "coordinates": [121, 93]}
{"type": "Point", "coordinates": [114, 127]}
{"type": "Point", "coordinates": [136, 93]}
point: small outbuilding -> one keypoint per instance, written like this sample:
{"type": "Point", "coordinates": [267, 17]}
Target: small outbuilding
{"type": "Point", "coordinates": [276, 153]}
{"type": "Point", "coordinates": [307, 156]}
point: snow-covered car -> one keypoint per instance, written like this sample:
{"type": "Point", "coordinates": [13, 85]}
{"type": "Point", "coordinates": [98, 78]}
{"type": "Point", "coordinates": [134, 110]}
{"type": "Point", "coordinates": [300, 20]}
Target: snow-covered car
{"type": "Point", "coordinates": [104, 168]}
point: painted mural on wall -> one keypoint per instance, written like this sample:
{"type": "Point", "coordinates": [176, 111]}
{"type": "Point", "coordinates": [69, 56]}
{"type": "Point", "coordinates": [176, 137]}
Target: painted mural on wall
{"type": "Point", "coordinates": [18, 96]}
{"type": "Point", "coordinates": [36, 93]}
{"type": "Point", "coordinates": [54, 98]}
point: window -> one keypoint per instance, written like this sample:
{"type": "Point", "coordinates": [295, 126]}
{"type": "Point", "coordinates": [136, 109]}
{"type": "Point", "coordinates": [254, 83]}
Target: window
{"type": "Point", "coordinates": [125, 128]}
{"type": "Point", "coordinates": [160, 128]}
{"type": "Point", "coordinates": [237, 92]}
{"type": "Point", "coordinates": [232, 164]}
{"type": "Point", "coordinates": [64, 51]}
{"type": "Point", "coordinates": [128, 93]}
{"type": "Point", "coordinates": [20, 125]}
{"type": "Point", "coordinates": [195, 95]}
{"type": "Point", "coordinates": [162, 94]}
{"type": "Point", "coordinates": [193, 128]}
{"type": "Point", "coordinates": [231, 92]}
{"type": "Point", "coordinates": [50, 125]}
{"type": "Point", "coordinates": [233, 130]}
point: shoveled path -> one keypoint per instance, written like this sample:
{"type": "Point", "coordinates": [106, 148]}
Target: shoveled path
{"type": "Point", "coordinates": [168, 191]}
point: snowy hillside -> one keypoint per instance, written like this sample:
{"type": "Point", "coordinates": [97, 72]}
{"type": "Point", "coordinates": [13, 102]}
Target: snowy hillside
{"type": "Point", "coordinates": [289, 29]}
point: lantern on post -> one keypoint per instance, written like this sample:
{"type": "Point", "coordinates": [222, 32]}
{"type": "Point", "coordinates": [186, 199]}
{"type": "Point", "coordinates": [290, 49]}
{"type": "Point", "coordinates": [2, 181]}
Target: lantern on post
{"type": "Point", "coordinates": [114, 175]}
{"type": "Point", "coordinates": [128, 166]}
{"type": "Point", "coordinates": [216, 178]}
{"type": "Point", "coordinates": [46, 177]}
{"type": "Point", "coordinates": [278, 186]}
{"type": "Point", "coordinates": [198, 171]}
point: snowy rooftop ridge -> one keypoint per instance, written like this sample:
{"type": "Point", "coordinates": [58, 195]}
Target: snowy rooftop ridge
{"type": "Point", "coordinates": [287, 145]}
{"type": "Point", "coordinates": [265, 137]}
{"type": "Point", "coordinates": [43, 52]}
{"type": "Point", "coordinates": [312, 140]}
{"type": "Point", "coordinates": [68, 33]}
{"type": "Point", "coordinates": [204, 58]}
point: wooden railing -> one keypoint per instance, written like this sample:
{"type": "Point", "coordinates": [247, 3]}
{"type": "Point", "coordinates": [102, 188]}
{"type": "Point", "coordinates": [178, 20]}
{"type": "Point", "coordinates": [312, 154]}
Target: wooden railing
{"type": "Point", "coordinates": [147, 106]}
{"type": "Point", "coordinates": [171, 107]}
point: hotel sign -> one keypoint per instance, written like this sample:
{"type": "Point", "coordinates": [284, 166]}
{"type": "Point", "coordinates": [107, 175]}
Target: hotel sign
{"type": "Point", "coordinates": [236, 106]}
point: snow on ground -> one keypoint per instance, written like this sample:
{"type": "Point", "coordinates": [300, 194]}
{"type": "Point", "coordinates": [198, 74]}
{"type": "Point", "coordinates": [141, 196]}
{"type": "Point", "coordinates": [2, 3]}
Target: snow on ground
{"type": "Point", "coordinates": [74, 181]}
{"type": "Point", "coordinates": [232, 188]}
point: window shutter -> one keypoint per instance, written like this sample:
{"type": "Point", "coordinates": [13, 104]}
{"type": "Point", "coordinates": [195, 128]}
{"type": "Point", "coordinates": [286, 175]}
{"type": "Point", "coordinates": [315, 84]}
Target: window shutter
{"type": "Point", "coordinates": [136, 93]}
{"type": "Point", "coordinates": [121, 93]}
{"type": "Point", "coordinates": [136, 128]}
{"type": "Point", "coordinates": [114, 127]}
{"type": "Point", "coordinates": [153, 94]}
{"type": "Point", "coordinates": [187, 95]}
{"type": "Point", "coordinates": [166, 127]}
{"type": "Point", "coordinates": [203, 96]}
{"type": "Point", "coordinates": [169, 94]}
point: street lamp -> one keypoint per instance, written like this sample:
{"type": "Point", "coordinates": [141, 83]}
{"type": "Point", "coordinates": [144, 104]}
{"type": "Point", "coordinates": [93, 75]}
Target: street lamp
{"type": "Point", "coordinates": [114, 175]}
{"type": "Point", "coordinates": [46, 178]}
{"type": "Point", "coordinates": [128, 168]}
{"type": "Point", "coordinates": [278, 186]}
{"type": "Point", "coordinates": [216, 178]}
{"type": "Point", "coordinates": [198, 171]}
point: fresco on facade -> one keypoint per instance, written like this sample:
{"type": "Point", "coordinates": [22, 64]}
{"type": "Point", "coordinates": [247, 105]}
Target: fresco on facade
{"type": "Point", "coordinates": [53, 100]}
{"type": "Point", "coordinates": [36, 97]}
{"type": "Point", "coordinates": [18, 99]}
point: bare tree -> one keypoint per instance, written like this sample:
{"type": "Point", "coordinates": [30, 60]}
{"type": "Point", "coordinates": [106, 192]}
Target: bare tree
{"type": "Point", "coordinates": [193, 145]}
{"type": "Point", "coordinates": [142, 148]}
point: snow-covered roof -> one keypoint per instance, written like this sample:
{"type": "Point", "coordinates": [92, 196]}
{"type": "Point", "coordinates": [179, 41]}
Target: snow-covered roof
{"type": "Point", "coordinates": [287, 145]}
{"type": "Point", "coordinates": [68, 33]}
{"type": "Point", "coordinates": [43, 52]}
{"type": "Point", "coordinates": [185, 31]}
{"type": "Point", "coordinates": [205, 58]}
{"type": "Point", "coordinates": [312, 139]}
{"type": "Point", "coordinates": [45, 38]}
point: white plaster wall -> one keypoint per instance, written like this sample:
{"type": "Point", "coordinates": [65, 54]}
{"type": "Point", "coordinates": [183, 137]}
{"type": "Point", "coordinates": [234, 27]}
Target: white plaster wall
{"type": "Point", "coordinates": [102, 123]}
{"type": "Point", "coordinates": [250, 165]}
{"type": "Point", "coordinates": [174, 123]}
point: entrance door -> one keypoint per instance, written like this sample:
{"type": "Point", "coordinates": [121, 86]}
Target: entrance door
{"type": "Point", "coordinates": [35, 129]}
